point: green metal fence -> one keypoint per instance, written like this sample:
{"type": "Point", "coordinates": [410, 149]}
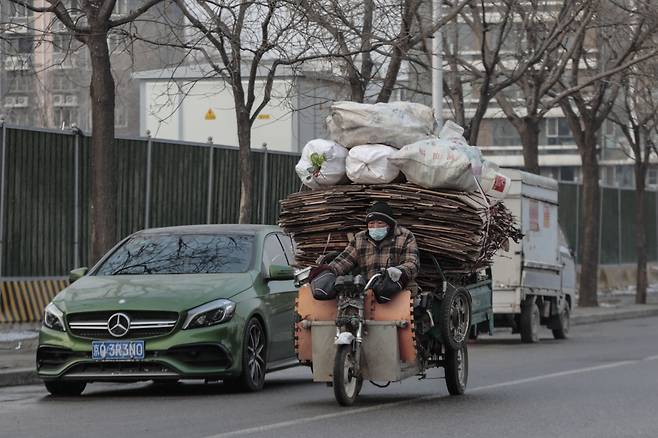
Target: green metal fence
{"type": "Point", "coordinates": [45, 193]}
{"type": "Point", "coordinates": [45, 182]}
{"type": "Point", "coordinates": [617, 225]}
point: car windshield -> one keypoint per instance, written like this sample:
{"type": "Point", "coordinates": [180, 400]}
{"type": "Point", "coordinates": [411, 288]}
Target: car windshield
{"type": "Point", "coordinates": [181, 254]}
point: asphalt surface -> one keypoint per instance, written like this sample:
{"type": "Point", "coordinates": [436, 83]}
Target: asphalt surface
{"type": "Point", "coordinates": [603, 382]}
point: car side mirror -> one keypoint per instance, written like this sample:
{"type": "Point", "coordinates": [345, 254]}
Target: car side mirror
{"type": "Point", "coordinates": [77, 274]}
{"type": "Point", "coordinates": [281, 272]}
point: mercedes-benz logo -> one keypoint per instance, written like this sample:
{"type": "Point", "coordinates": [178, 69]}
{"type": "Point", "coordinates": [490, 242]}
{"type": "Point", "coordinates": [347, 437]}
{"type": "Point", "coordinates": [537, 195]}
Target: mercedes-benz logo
{"type": "Point", "coordinates": [118, 325]}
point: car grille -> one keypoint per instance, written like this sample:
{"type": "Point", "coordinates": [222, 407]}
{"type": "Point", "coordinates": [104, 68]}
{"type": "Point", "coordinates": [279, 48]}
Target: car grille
{"type": "Point", "coordinates": [120, 370]}
{"type": "Point", "coordinates": [143, 324]}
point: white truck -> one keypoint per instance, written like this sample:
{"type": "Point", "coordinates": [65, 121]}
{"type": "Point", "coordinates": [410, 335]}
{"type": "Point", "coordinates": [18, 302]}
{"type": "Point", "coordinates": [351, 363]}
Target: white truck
{"type": "Point", "coordinates": [534, 281]}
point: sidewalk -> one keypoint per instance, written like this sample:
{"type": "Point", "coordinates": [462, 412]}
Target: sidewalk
{"type": "Point", "coordinates": [18, 342]}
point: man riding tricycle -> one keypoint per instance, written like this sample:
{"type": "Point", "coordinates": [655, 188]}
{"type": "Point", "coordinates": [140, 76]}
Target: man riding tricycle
{"type": "Point", "coordinates": [377, 324]}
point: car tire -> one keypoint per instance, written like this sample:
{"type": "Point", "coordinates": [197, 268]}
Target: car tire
{"type": "Point", "coordinates": [530, 323]}
{"type": "Point", "coordinates": [60, 388]}
{"type": "Point", "coordinates": [252, 377]}
{"type": "Point", "coordinates": [562, 323]}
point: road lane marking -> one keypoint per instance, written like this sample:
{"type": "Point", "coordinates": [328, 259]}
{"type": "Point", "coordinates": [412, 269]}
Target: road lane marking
{"type": "Point", "coordinates": [299, 421]}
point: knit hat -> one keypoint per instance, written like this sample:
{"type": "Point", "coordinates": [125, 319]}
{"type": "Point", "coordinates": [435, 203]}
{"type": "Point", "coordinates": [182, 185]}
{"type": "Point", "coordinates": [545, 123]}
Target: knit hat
{"type": "Point", "coordinates": [381, 211]}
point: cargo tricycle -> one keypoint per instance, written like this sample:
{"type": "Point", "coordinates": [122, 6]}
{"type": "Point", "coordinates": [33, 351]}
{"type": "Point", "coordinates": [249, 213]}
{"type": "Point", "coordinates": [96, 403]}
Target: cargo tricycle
{"type": "Point", "coordinates": [353, 338]}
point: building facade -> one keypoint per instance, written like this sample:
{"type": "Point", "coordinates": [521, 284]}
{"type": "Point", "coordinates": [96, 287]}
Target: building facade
{"type": "Point", "coordinates": [45, 72]}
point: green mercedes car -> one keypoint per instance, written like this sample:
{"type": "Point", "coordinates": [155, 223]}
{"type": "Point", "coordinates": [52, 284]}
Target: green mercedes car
{"type": "Point", "coordinates": [212, 302]}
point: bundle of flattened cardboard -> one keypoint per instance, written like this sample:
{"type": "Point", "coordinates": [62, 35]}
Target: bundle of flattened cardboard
{"type": "Point", "coordinates": [460, 229]}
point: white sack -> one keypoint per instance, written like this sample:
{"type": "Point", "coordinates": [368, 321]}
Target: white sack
{"type": "Point", "coordinates": [435, 164]}
{"type": "Point", "coordinates": [495, 184]}
{"type": "Point", "coordinates": [395, 124]}
{"type": "Point", "coordinates": [322, 164]}
{"type": "Point", "coordinates": [369, 164]}
{"type": "Point", "coordinates": [455, 134]}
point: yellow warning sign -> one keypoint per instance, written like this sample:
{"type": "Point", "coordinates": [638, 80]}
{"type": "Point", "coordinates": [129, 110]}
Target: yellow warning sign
{"type": "Point", "coordinates": [264, 117]}
{"type": "Point", "coordinates": [210, 114]}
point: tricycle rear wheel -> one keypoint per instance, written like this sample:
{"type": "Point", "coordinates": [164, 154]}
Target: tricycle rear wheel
{"type": "Point", "coordinates": [456, 370]}
{"type": "Point", "coordinates": [346, 383]}
{"type": "Point", "coordinates": [455, 317]}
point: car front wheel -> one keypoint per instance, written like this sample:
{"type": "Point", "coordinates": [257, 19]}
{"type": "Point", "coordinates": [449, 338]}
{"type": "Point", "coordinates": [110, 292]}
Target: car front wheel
{"type": "Point", "coordinates": [63, 389]}
{"type": "Point", "coordinates": [252, 377]}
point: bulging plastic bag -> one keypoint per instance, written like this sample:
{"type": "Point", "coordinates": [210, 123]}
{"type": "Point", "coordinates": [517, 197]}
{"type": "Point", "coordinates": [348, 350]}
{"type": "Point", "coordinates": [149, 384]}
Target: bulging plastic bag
{"type": "Point", "coordinates": [369, 164]}
{"type": "Point", "coordinates": [494, 184]}
{"type": "Point", "coordinates": [395, 124]}
{"type": "Point", "coordinates": [322, 164]}
{"type": "Point", "coordinates": [452, 132]}
{"type": "Point", "coordinates": [435, 164]}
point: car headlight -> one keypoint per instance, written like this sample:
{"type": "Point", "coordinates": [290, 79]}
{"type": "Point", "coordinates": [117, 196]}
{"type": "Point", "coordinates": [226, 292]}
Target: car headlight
{"type": "Point", "coordinates": [212, 313]}
{"type": "Point", "coordinates": [53, 318]}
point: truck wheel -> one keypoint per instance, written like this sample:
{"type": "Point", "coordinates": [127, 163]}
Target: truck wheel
{"type": "Point", "coordinates": [530, 323]}
{"type": "Point", "coordinates": [346, 384]}
{"type": "Point", "coordinates": [456, 370]}
{"type": "Point", "coordinates": [455, 317]}
{"type": "Point", "coordinates": [562, 322]}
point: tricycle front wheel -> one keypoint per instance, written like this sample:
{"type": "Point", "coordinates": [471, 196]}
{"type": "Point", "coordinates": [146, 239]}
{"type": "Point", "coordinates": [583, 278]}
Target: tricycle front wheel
{"type": "Point", "coordinates": [346, 383]}
{"type": "Point", "coordinates": [456, 370]}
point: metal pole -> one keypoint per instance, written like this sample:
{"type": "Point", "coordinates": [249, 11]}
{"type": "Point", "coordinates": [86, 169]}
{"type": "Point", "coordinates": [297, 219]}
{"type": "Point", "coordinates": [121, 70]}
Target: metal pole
{"type": "Point", "coordinates": [3, 178]}
{"type": "Point", "coordinates": [600, 221]}
{"type": "Point", "coordinates": [147, 201]}
{"type": "Point", "coordinates": [76, 197]}
{"type": "Point", "coordinates": [211, 179]}
{"type": "Point", "coordinates": [619, 225]}
{"type": "Point", "coordinates": [437, 63]}
{"type": "Point", "coordinates": [264, 187]}
{"type": "Point", "coordinates": [577, 221]}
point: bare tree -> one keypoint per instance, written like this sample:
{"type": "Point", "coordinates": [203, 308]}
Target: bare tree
{"type": "Point", "coordinates": [636, 114]}
{"type": "Point", "coordinates": [89, 23]}
{"type": "Point", "coordinates": [492, 47]}
{"type": "Point", "coordinates": [618, 34]}
{"type": "Point", "coordinates": [372, 41]}
{"type": "Point", "coordinates": [245, 44]}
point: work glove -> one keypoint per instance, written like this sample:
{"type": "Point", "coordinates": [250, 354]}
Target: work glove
{"type": "Point", "coordinates": [394, 273]}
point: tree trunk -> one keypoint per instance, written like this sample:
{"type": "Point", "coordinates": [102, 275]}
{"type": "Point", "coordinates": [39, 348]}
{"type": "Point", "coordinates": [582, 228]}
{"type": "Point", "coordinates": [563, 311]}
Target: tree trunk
{"type": "Point", "coordinates": [640, 232]}
{"type": "Point", "coordinates": [530, 140]}
{"type": "Point", "coordinates": [246, 166]}
{"type": "Point", "coordinates": [103, 153]}
{"type": "Point", "coordinates": [589, 243]}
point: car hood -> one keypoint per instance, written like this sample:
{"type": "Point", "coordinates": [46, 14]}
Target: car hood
{"type": "Point", "coordinates": [150, 292]}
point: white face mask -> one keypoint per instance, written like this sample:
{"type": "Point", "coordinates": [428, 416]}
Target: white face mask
{"type": "Point", "coordinates": [378, 233]}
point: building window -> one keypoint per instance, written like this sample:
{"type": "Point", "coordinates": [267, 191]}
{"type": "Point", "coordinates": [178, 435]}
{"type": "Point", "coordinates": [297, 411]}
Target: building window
{"type": "Point", "coordinates": [18, 82]}
{"type": "Point", "coordinates": [64, 117]}
{"type": "Point", "coordinates": [62, 82]}
{"type": "Point", "coordinates": [120, 117]}
{"type": "Point", "coordinates": [652, 177]}
{"type": "Point", "coordinates": [18, 11]}
{"type": "Point", "coordinates": [625, 176]}
{"type": "Point", "coordinates": [22, 44]}
{"type": "Point", "coordinates": [568, 174]}
{"type": "Point", "coordinates": [504, 133]}
{"type": "Point", "coordinates": [121, 7]}
{"type": "Point", "coordinates": [19, 116]}
{"type": "Point", "coordinates": [558, 132]}
{"type": "Point", "coordinates": [61, 43]}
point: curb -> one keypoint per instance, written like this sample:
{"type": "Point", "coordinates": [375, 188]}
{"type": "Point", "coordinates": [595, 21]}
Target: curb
{"type": "Point", "coordinates": [19, 376]}
{"type": "Point", "coordinates": [614, 316]}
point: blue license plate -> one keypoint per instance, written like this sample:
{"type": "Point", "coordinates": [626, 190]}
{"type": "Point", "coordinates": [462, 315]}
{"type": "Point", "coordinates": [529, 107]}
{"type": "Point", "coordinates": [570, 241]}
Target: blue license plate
{"type": "Point", "coordinates": [117, 350]}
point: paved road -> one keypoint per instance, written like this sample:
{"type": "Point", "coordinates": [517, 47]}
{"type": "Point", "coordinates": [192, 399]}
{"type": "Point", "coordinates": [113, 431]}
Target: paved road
{"type": "Point", "coordinates": [603, 382]}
